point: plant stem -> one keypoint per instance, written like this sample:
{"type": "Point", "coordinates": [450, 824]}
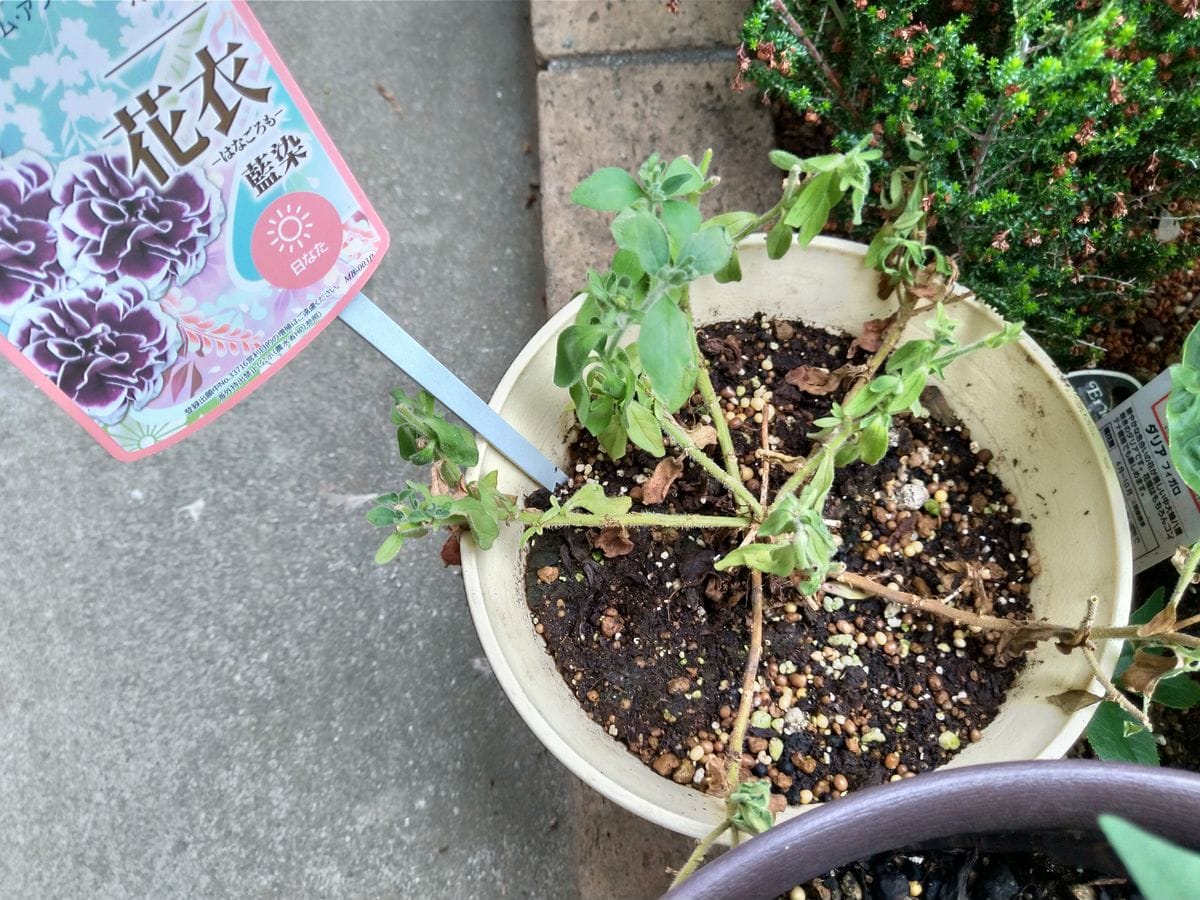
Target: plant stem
{"type": "Point", "coordinates": [1111, 692]}
{"type": "Point", "coordinates": [570, 519]}
{"type": "Point", "coordinates": [830, 445]}
{"type": "Point", "coordinates": [1185, 577]}
{"type": "Point", "coordinates": [1130, 633]}
{"type": "Point", "coordinates": [702, 848]}
{"type": "Point", "coordinates": [724, 438]}
{"type": "Point", "coordinates": [741, 722]}
{"type": "Point", "coordinates": [732, 483]}
{"type": "Point", "coordinates": [932, 606]}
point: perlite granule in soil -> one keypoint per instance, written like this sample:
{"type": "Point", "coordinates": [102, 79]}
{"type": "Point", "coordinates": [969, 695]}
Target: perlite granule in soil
{"type": "Point", "coordinates": [852, 691]}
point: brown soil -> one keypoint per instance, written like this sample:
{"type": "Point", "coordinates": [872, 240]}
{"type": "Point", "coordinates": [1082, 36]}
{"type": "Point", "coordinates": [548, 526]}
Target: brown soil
{"type": "Point", "coordinates": [850, 691]}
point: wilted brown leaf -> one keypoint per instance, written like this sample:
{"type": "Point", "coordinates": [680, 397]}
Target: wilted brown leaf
{"type": "Point", "coordinates": [655, 489]}
{"type": "Point", "coordinates": [1073, 701]}
{"type": "Point", "coordinates": [439, 486]}
{"type": "Point", "coordinates": [1145, 671]}
{"type": "Point", "coordinates": [451, 551]}
{"type": "Point", "coordinates": [813, 380]}
{"type": "Point", "coordinates": [871, 335]}
{"type": "Point", "coordinates": [614, 541]}
{"type": "Point", "coordinates": [1162, 623]}
{"type": "Point", "coordinates": [1024, 638]}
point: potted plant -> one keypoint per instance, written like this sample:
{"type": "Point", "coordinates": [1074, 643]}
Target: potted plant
{"type": "Point", "coordinates": [1055, 804]}
{"type": "Point", "coordinates": [767, 523]}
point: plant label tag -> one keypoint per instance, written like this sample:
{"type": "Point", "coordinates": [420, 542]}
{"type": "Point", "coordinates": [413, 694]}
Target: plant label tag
{"type": "Point", "coordinates": [1163, 512]}
{"type": "Point", "coordinates": [175, 224]}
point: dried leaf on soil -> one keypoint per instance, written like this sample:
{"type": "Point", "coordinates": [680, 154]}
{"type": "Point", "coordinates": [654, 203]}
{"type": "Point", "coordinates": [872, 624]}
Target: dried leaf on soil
{"type": "Point", "coordinates": [872, 335]}
{"type": "Point", "coordinates": [614, 541]}
{"type": "Point", "coordinates": [1073, 701]}
{"type": "Point", "coordinates": [703, 436]}
{"type": "Point", "coordinates": [547, 574]}
{"type": "Point", "coordinates": [655, 489]}
{"type": "Point", "coordinates": [814, 380]}
{"type": "Point", "coordinates": [452, 551]}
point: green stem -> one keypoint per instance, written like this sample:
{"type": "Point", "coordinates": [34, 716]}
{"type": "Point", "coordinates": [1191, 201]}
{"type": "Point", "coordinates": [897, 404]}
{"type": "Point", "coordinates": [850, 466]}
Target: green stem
{"type": "Point", "coordinates": [741, 721]}
{"type": "Point", "coordinates": [699, 853]}
{"type": "Point", "coordinates": [632, 520]}
{"type": "Point", "coordinates": [733, 483]}
{"type": "Point", "coordinates": [797, 479]}
{"type": "Point", "coordinates": [724, 438]}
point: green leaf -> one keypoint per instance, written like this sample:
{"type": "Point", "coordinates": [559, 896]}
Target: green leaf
{"type": "Point", "coordinates": [608, 190]}
{"type": "Point", "coordinates": [1183, 422]}
{"type": "Point", "coordinates": [811, 210]}
{"type": "Point", "coordinates": [682, 221]}
{"type": "Point", "coordinates": [737, 222]}
{"type": "Point", "coordinates": [613, 439]}
{"type": "Point", "coordinates": [681, 178]}
{"type": "Point", "coordinates": [1161, 870]}
{"type": "Point", "coordinates": [625, 263]}
{"type": "Point", "coordinates": [750, 807]}
{"type": "Point", "coordinates": [575, 345]}
{"type": "Point", "coordinates": [1177, 690]}
{"type": "Point", "coordinates": [813, 495]}
{"type": "Point", "coordinates": [873, 442]}
{"type": "Point", "coordinates": [708, 249]}
{"type": "Point", "coordinates": [782, 519]}
{"type": "Point", "coordinates": [732, 271]}
{"type": "Point", "coordinates": [638, 231]}
{"type": "Point", "coordinates": [1106, 734]}
{"type": "Point", "coordinates": [666, 349]}
{"type": "Point", "coordinates": [454, 442]}
{"type": "Point", "coordinates": [591, 498]}
{"type": "Point", "coordinates": [389, 548]}
{"type": "Point", "coordinates": [781, 159]}
{"type": "Point", "coordinates": [773, 559]}
{"type": "Point", "coordinates": [383, 516]}
{"type": "Point", "coordinates": [779, 240]}
{"type": "Point", "coordinates": [644, 429]}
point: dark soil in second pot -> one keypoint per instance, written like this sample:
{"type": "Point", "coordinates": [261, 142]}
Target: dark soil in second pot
{"type": "Point", "coordinates": [852, 691]}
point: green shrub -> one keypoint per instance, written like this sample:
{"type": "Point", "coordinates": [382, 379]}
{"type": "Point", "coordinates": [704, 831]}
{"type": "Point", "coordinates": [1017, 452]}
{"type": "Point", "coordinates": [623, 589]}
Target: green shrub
{"type": "Point", "coordinates": [1055, 134]}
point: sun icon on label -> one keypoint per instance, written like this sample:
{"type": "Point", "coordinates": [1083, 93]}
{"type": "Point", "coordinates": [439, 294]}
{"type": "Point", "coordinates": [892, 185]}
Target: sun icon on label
{"type": "Point", "coordinates": [289, 229]}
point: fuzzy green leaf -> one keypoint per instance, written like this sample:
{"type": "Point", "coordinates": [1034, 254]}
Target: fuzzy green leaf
{"type": "Point", "coordinates": [591, 497]}
{"type": "Point", "coordinates": [681, 178]}
{"type": "Point", "coordinates": [732, 271]}
{"type": "Point", "coordinates": [682, 221]}
{"type": "Point", "coordinates": [575, 345]}
{"type": "Point", "coordinates": [608, 190]}
{"type": "Point", "coordinates": [773, 559]}
{"type": "Point", "coordinates": [750, 807]}
{"type": "Point", "coordinates": [779, 240]}
{"type": "Point", "coordinates": [873, 441]}
{"type": "Point", "coordinates": [666, 349]}
{"type": "Point", "coordinates": [638, 231]}
{"type": "Point", "coordinates": [781, 159]}
{"type": "Point", "coordinates": [389, 548]}
{"type": "Point", "coordinates": [708, 249]}
{"type": "Point", "coordinates": [644, 429]}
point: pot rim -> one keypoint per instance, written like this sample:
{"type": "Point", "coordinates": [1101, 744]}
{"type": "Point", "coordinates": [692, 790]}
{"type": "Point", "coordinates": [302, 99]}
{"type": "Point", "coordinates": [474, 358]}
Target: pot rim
{"type": "Point", "coordinates": [575, 760]}
{"type": "Point", "coordinates": [1041, 795]}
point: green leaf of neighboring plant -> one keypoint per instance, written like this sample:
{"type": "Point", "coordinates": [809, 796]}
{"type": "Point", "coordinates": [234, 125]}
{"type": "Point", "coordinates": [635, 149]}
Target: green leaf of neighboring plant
{"type": "Point", "coordinates": [638, 231]}
{"type": "Point", "coordinates": [454, 442]}
{"type": "Point", "coordinates": [779, 240]}
{"type": "Point", "coordinates": [1106, 734]}
{"type": "Point", "coordinates": [1178, 690]}
{"type": "Point", "coordinates": [575, 345]}
{"type": "Point", "coordinates": [1161, 870]}
{"type": "Point", "coordinates": [708, 249]}
{"type": "Point", "coordinates": [750, 807]}
{"type": "Point", "coordinates": [608, 190]}
{"type": "Point", "coordinates": [423, 434]}
{"type": "Point", "coordinates": [643, 429]}
{"type": "Point", "coordinates": [665, 347]}
{"type": "Point", "coordinates": [738, 223]}
{"type": "Point", "coordinates": [389, 548]}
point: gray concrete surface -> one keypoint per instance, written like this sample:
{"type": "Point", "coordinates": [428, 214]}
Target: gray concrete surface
{"type": "Point", "coordinates": [207, 688]}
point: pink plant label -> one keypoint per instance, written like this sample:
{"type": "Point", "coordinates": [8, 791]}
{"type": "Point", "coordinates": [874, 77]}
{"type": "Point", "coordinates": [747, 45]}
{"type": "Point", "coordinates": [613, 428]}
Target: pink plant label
{"type": "Point", "coordinates": [175, 224]}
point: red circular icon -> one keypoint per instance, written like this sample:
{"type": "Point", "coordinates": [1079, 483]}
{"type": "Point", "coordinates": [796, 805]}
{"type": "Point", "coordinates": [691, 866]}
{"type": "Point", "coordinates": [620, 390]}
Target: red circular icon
{"type": "Point", "coordinates": [296, 240]}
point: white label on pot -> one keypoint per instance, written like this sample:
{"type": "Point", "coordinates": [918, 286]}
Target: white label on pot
{"type": "Point", "coordinates": [1163, 512]}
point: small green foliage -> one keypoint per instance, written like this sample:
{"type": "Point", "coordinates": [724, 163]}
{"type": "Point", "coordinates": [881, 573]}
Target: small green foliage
{"type": "Point", "coordinates": [423, 435]}
{"type": "Point", "coordinates": [1053, 137]}
{"type": "Point", "coordinates": [416, 511]}
{"type": "Point", "coordinates": [750, 807]}
{"type": "Point", "coordinates": [590, 499]}
{"type": "Point", "coordinates": [1113, 734]}
{"type": "Point", "coordinates": [1161, 870]}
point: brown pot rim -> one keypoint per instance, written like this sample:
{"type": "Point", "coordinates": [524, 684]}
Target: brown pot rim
{"type": "Point", "coordinates": [1059, 795]}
